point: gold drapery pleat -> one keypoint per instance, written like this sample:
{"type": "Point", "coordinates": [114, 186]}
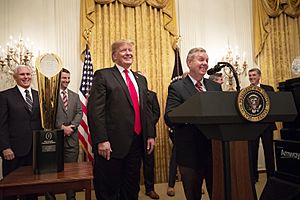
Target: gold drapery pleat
{"type": "Point", "coordinates": [276, 39]}
{"type": "Point", "coordinates": [88, 17]}
{"type": "Point", "coordinates": [151, 24]}
{"type": "Point", "coordinates": [134, 3]}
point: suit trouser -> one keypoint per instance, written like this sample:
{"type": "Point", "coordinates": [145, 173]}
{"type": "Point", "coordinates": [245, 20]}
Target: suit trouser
{"type": "Point", "coordinates": [267, 142]}
{"type": "Point", "coordinates": [119, 179]}
{"type": "Point", "coordinates": [172, 164]}
{"type": "Point", "coordinates": [148, 169]}
{"type": "Point", "coordinates": [192, 181]}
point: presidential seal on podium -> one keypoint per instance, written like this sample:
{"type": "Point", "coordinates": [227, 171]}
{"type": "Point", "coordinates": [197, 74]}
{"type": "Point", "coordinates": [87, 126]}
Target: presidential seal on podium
{"type": "Point", "coordinates": [253, 103]}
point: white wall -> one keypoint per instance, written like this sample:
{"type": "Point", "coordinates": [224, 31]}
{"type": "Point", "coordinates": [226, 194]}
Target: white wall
{"type": "Point", "coordinates": [213, 25]}
{"type": "Point", "coordinates": [52, 25]}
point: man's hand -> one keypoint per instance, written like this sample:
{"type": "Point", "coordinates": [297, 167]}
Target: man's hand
{"type": "Point", "coordinates": [68, 130]}
{"type": "Point", "coordinates": [8, 154]}
{"type": "Point", "coordinates": [150, 145]}
{"type": "Point", "coordinates": [104, 150]}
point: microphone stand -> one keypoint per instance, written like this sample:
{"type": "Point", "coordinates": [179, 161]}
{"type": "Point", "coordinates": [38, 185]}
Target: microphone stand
{"type": "Point", "coordinates": [226, 144]}
{"type": "Point", "coordinates": [226, 64]}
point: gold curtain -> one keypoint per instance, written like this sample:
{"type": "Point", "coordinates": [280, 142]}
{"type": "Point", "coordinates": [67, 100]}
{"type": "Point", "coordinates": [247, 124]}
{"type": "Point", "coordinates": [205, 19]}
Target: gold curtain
{"type": "Point", "coordinates": [151, 24]}
{"type": "Point", "coordinates": [276, 38]}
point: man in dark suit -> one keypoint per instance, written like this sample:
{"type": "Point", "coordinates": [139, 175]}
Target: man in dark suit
{"type": "Point", "coordinates": [193, 149]}
{"type": "Point", "coordinates": [68, 117]}
{"type": "Point", "coordinates": [120, 122]}
{"type": "Point", "coordinates": [148, 159]}
{"type": "Point", "coordinates": [20, 115]}
{"type": "Point", "coordinates": [266, 137]}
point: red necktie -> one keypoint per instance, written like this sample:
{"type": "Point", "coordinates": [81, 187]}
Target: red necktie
{"type": "Point", "coordinates": [135, 101]}
{"type": "Point", "coordinates": [198, 86]}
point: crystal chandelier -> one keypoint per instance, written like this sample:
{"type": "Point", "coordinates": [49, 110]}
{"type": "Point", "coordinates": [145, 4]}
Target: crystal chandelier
{"type": "Point", "coordinates": [296, 66]}
{"type": "Point", "coordinates": [16, 53]}
{"type": "Point", "coordinates": [240, 66]}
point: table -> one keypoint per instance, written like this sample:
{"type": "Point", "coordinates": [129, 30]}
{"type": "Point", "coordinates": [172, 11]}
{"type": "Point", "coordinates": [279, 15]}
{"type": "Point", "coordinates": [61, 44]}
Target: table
{"type": "Point", "coordinates": [76, 176]}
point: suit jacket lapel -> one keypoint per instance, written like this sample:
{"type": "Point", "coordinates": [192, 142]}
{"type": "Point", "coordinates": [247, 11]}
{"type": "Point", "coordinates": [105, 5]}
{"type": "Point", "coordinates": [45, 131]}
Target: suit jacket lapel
{"type": "Point", "coordinates": [118, 76]}
{"type": "Point", "coordinates": [20, 97]}
{"type": "Point", "coordinates": [61, 104]}
{"type": "Point", "coordinates": [70, 101]}
{"type": "Point", "coordinates": [35, 100]}
{"type": "Point", "coordinates": [207, 85]}
{"type": "Point", "coordinates": [190, 87]}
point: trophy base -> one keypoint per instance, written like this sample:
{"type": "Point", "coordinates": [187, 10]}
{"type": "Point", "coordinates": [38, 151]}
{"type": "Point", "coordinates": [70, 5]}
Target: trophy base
{"type": "Point", "coordinates": [48, 151]}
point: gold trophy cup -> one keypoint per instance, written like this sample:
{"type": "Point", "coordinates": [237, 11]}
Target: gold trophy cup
{"type": "Point", "coordinates": [48, 144]}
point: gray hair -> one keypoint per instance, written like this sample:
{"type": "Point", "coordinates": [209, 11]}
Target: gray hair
{"type": "Point", "coordinates": [16, 69]}
{"type": "Point", "coordinates": [193, 52]}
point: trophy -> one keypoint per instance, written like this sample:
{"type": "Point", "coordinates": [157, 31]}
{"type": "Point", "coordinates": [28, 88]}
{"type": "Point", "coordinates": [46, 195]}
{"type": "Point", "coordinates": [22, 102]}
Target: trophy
{"type": "Point", "coordinates": [48, 144]}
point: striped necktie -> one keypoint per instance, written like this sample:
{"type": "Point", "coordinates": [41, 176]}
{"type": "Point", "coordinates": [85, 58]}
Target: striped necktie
{"type": "Point", "coordinates": [199, 87]}
{"type": "Point", "coordinates": [28, 100]}
{"type": "Point", "coordinates": [65, 99]}
{"type": "Point", "coordinates": [135, 101]}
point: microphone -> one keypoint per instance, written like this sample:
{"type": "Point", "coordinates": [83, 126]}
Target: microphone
{"type": "Point", "coordinates": [219, 66]}
{"type": "Point", "coordinates": [215, 69]}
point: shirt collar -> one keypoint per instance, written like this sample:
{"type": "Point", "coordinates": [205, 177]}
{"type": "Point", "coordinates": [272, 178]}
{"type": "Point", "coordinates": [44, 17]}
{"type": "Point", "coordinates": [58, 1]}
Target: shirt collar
{"type": "Point", "coordinates": [194, 81]}
{"type": "Point", "coordinates": [258, 85]}
{"type": "Point", "coordinates": [61, 90]}
{"type": "Point", "coordinates": [121, 69]}
{"type": "Point", "coordinates": [22, 90]}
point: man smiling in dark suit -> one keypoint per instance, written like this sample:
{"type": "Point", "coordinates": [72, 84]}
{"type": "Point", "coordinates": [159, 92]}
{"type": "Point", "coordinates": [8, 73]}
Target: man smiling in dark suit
{"type": "Point", "coordinates": [120, 122]}
{"type": "Point", "coordinates": [266, 137]}
{"type": "Point", "coordinates": [18, 120]}
{"type": "Point", "coordinates": [193, 149]}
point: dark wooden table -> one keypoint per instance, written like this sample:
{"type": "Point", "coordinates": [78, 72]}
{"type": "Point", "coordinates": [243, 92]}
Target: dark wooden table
{"type": "Point", "coordinates": [76, 176]}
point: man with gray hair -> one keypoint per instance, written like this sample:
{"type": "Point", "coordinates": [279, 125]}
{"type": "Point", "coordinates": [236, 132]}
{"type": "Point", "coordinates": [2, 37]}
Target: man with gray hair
{"type": "Point", "coordinates": [193, 149]}
{"type": "Point", "coordinates": [20, 115]}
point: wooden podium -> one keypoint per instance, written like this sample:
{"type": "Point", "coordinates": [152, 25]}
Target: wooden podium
{"type": "Point", "coordinates": [217, 116]}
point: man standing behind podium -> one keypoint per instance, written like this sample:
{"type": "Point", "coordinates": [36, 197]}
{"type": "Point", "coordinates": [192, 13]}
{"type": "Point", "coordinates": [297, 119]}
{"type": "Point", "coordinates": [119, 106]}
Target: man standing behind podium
{"type": "Point", "coordinates": [68, 117]}
{"type": "Point", "coordinates": [266, 137]}
{"type": "Point", "coordinates": [193, 149]}
{"type": "Point", "coordinates": [20, 115]}
{"type": "Point", "coordinates": [120, 122]}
